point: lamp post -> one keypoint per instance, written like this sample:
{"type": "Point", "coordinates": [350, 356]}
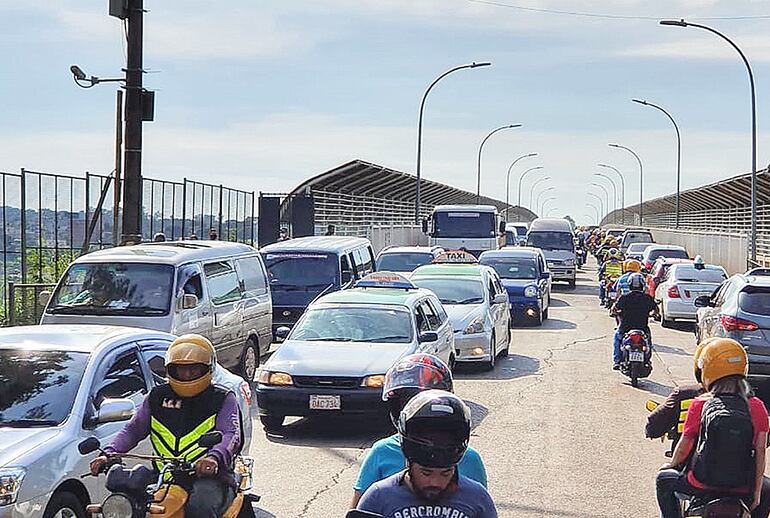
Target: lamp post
{"type": "Point", "coordinates": [587, 215]}
{"type": "Point", "coordinates": [419, 128]}
{"type": "Point", "coordinates": [547, 189]}
{"type": "Point", "coordinates": [520, 179]}
{"type": "Point", "coordinates": [678, 150]}
{"type": "Point", "coordinates": [598, 214]}
{"type": "Point", "coordinates": [614, 192]}
{"type": "Point", "coordinates": [641, 180]}
{"type": "Point", "coordinates": [508, 183]}
{"type": "Point", "coordinates": [622, 191]}
{"type": "Point", "coordinates": [532, 191]}
{"type": "Point", "coordinates": [545, 201]}
{"type": "Point", "coordinates": [601, 204]}
{"type": "Point", "coordinates": [683, 23]}
{"type": "Point", "coordinates": [606, 196]}
{"type": "Point", "coordinates": [481, 148]}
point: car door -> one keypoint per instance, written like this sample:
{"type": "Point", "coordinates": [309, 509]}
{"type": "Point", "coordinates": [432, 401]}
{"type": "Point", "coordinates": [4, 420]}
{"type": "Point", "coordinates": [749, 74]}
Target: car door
{"type": "Point", "coordinates": [225, 294]}
{"type": "Point", "coordinates": [197, 319]}
{"type": "Point", "coordinates": [257, 306]}
{"type": "Point", "coordinates": [710, 325]}
{"type": "Point", "coordinates": [499, 322]}
{"type": "Point", "coordinates": [422, 323]}
{"type": "Point", "coordinates": [543, 283]}
{"type": "Point", "coordinates": [439, 322]}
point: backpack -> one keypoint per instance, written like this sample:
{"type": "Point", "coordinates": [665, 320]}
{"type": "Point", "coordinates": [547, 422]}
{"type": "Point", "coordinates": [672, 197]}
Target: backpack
{"type": "Point", "coordinates": [724, 456]}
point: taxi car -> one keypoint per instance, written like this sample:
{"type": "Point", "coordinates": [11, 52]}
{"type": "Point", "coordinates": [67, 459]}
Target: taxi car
{"type": "Point", "coordinates": [334, 359]}
{"type": "Point", "coordinates": [406, 259]}
{"type": "Point", "coordinates": [477, 304]}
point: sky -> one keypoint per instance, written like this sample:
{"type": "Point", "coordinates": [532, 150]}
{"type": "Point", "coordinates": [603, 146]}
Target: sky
{"type": "Point", "coordinates": [263, 95]}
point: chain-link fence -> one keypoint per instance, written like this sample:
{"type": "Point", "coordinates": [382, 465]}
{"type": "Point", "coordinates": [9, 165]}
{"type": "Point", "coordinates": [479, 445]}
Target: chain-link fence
{"type": "Point", "coordinates": [49, 219]}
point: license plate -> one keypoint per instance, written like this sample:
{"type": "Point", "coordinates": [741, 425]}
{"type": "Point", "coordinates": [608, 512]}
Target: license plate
{"type": "Point", "coordinates": [636, 356]}
{"type": "Point", "coordinates": [325, 403]}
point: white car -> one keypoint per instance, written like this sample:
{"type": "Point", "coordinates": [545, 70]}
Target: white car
{"type": "Point", "coordinates": [405, 259]}
{"type": "Point", "coordinates": [636, 250]}
{"type": "Point", "coordinates": [681, 285]}
{"type": "Point", "coordinates": [478, 308]}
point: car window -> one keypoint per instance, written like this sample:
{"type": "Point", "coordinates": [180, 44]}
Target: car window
{"type": "Point", "coordinates": [438, 309]}
{"type": "Point", "coordinates": [719, 296]}
{"type": "Point", "coordinates": [434, 321]}
{"type": "Point", "coordinates": [253, 276]}
{"type": "Point", "coordinates": [156, 360]}
{"type": "Point", "coordinates": [123, 379]}
{"type": "Point", "coordinates": [190, 281]}
{"type": "Point", "coordinates": [222, 282]}
{"type": "Point", "coordinates": [490, 289]}
{"type": "Point", "coordinates": [421, 319]}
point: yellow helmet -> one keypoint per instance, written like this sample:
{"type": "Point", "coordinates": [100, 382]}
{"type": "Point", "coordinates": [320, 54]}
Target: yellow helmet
{"type": "Point", "coordinates": [632, 265]}
{"type": "Point", "coordinates": [696, 357]}
{"type": "Point", "coordinates": [721, 358]}
{"type": "Point", "coordinates": [190, 350]}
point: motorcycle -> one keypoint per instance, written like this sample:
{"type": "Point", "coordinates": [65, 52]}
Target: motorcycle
{"type": "Point", "coordinates": [636, 356]}
{"type": "Point", "coordinates": [580, 256]}
{"type": "Point", "coordinates": [142, 492]}
{"type": "Point", "coordinates": [611, 294]}
{"type": "Point", "coordinates": [708, 505]}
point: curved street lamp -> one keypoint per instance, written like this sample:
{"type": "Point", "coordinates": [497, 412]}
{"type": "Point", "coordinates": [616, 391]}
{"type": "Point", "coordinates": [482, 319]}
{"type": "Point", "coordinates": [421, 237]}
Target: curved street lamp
{"type": "Point", "coordinates": [545, 202]}
{"type": "Point", "coordinates": [532, 190]}
{"type": "Point", "coordinates": [683, 23]}
{"type": "Point", "coordinates": [419, 128]}
{"type": "Point", "coordinates": [606, 195]}
{"type": "Point", "coordinates": [508, 183]}
{"type": "Point", "coordinates": [521, 178]}
{"type": "Point", "coordinates": [550, 211]}
{"type": "Point", "coordinates": [590, 217]}
{"type": "Point", "coordinates": [622, 191]}
{"type": "Point", "coordinates": [614, 192]}
{"type": "Point", "coordinates": [601, 204]}
{"type": "Point", "coordinates": [596, 209]}
{"type": "Point", "coordinates": [481, 148]}
{"type": "Point", "coordinates": [641, 179]}
{"type": "Point", "coordinates": [547, 189]}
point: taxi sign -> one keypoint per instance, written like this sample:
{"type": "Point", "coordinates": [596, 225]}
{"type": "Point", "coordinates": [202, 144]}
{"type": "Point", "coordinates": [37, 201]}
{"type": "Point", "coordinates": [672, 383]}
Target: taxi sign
{"type": "Point", "coordinates": [386, 280]}
{"type": "Point", "coordinates": [455, 257]}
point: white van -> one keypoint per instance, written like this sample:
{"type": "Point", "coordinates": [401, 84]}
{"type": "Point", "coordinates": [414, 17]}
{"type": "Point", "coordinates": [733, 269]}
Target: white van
{"type": "Point", "coordinates": [213, 288]}
{"type": "Point", "coordinates": [555, 238]}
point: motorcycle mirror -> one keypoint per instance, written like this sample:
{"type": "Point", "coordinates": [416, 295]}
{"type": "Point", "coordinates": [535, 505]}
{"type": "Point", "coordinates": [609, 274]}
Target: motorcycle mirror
{"type": "Point", "coordinates": [651, 405]}
{"type": "Point", "coordinates": [89, 445]}
{"type": "Point", "coordinates": [209, 440]}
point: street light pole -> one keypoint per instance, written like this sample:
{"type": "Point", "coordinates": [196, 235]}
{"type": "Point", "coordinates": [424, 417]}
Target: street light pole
{"type": "Point", "coordinates": [508, 184]}
{"type": "Point", "coordinates": [614, 192]}
{"type": "Point", "coordinates": [419, 129]}
{"type": "Point", "coordinates": [481, 147]}
{"type": "Point", "coordinates": [537, 203]}
{"type": "Point", "coordinates": [678, 150]}
{"type": "Point", "coordinates": [606, 196]}
{"type": "Point", "coordinates": [532, 191]}
{"type": "Point", "coordinates": [622, 191]}
{"type": "Point", "coordinates": [601, 205]}
{"type": "Point", "coordinates": [520, 179]}
{"type": "Point", "coordinates": [598, 214]}
{"type": "Point", "coordinates": [683, 23]}
{"type": "Point", "coordinates": [545, 201]}
{"type": "Point", "coordinates": [641, 180]}
{"type": "Point", "coordinates": [589, 216]}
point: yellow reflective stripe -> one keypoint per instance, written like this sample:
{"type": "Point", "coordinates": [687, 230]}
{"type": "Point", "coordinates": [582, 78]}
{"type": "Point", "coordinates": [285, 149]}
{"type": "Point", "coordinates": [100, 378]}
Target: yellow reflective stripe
{"type": "Point", "coordinates": [195, 454]}
{"type": "Point", "coordinates": [163, 432]}
{"type": "Point", "coordinates": [160, 448]}
{"type": "Point", "coordinates": [684, 406]}
{"type": "Point", "coordinates": [192, 437]}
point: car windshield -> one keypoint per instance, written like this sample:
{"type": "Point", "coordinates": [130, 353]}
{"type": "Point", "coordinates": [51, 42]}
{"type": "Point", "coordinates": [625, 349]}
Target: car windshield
{"type": "Point", "coordinates": [354, 324]}
{"type": "Point", "coordinates": [669, 253]}
{"type": "Point", "coordinates": [38, 388]}
{"type": "Point", "coordinates": [551, 240]}
{"type": "Point", "coordinates": [464, 224]}
{"type": "Point", "coordinates": [687, 273]}
{"type": "Point", "coordinates": [302, 270]}
{"type": "Point", "coordinates": [637, 237]}
{"type": "Point", "coordinates": [513, 267]}
{"type": "Point", "coordinates": [453, 290]}
{"type": "Point", "coordinates": [402, 262]}
{"type": "Point", "coordinates": [134, 289]}
{"type": "Point", "coordinates": [637, 248]}
{"type": "Point", "coordinates": [755, 301]}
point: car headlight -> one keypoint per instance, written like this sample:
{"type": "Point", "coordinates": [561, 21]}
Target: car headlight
{"type": "Point", "coordinates": [376, 381]}
{"type": "Point", "coordinates": [530, 291]}
{"type": "Point", "coordinates": [569, 262]}
{"type": "Point", "coordinates": [10, 482]}
{"type": "Point", "coordinates": [477, 326]}
{"type": "Point", "coordinates": [274, 378]}
{"type": "Point", "coordinates": [117, 506]}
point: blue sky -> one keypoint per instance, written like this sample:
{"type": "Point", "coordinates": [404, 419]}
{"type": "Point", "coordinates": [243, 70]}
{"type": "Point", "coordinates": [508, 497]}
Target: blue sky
{"type": "Point", "coordinates": [261, 95]}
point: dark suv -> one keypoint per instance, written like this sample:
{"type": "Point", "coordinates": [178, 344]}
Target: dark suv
{"type": "Point", "coordinates": [740, 309]}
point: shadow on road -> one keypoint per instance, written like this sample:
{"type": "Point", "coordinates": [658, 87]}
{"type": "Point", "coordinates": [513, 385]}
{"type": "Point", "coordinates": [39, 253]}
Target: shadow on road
{"type": "Point", "coordinates": [583, 290]}
{"type": "Point", "coordinates": [558, 303]}
{"type": "Point", "coordinates": [671, 350]}
{"type": "Point", "coordinates": [262, 513]}
{"type": "Point", "coordinates": [558, 324]}
{"type": "Point", "coordinates": [518, 509]}
{"type": "Point", "coordinates": [478, 413]}
{"type": "Point", "coordinates": [653, 387]}
{"type": "Point", "coordinates": [332, 432]}
{"type": "Point", "coordinates": [514, 366]}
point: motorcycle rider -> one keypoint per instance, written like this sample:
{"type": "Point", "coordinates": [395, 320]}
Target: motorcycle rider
{"type": "Point", "coordinates": [434, 427]}
{"type": "Point", "coordinates": [408, 377]}
{"type": "Point", "coordinates": [634, 311]}
{"type": "Point", "coordinates": [724, 365]}
{"type": "Point", "coordinates": [630, 267]}
{"type": "Point", "coordinates": [612, 267]}
{"type": "Point", "coordinates": [176, 414]}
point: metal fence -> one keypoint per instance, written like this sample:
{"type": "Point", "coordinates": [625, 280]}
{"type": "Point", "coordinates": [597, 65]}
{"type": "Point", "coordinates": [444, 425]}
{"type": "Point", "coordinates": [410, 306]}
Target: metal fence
{"type": "Point", "coordinates": [49, 219]}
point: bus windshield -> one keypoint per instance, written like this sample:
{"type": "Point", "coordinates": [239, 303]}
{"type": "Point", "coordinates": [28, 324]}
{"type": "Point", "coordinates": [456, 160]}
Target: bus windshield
{"type": "Point", "coordinates": [464, 224]}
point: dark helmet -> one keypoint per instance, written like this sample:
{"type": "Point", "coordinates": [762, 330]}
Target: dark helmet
{"type": "Point", "coordinates": [413, 374]}
{"type": "Point", "coordinates": [435, 427]}
{"type": "Point", "coordinates": [636, 282]}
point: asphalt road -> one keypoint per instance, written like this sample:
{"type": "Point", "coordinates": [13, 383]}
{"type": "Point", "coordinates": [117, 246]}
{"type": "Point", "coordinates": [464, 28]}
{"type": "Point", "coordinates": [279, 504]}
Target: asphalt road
{"type": "Point", "coordinates": [561, 434]}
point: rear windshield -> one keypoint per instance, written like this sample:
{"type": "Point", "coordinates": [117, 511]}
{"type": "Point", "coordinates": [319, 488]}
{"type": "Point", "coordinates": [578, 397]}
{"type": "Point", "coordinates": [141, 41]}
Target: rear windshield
{"type": "Point", "coordinates": [513, 267]}
{"type": "Point", "coordinates": [668, 253]}
{"type": "Point", "coordinates": [302, 270]}
{"type": "Point", "coordinates": [691, 274]}
{"type": "Point", "coordinates": [402, 262]}
{"type": "Point", "coordinates": [637, 237]}
{"type": "Point", "coordinates": [755, 300]}
{"type": "Point", "coordinates": [551, 240]}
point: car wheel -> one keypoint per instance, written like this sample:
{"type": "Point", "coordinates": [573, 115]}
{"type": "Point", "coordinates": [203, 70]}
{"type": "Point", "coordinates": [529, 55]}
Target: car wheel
{"type": "Point", "coordinates": [452, 362]}
{"type": "Point", "coordinates": [545, 314]}
{"type": "Point", "coordinates": [492, 353]}
{"type": "Point", "coordinates": [504, 352]}
{"type": "Point", "coordinates": [272, 422]}
{"type": "Point", "coordinates": [249, 360]}
{"type": "Point", "coordinates": [64, 505]}
{"type": "Point", "coordinates": [572, 284]}
{"type": "Point", "coordinates": [663, 321]}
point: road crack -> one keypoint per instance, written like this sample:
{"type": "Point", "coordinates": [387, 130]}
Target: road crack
{"type": "Point", "coordinates": [335, 479]}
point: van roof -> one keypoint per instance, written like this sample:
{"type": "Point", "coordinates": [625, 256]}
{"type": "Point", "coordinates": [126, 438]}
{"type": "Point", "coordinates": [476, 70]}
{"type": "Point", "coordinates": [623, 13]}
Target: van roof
{"type": "Point", "coordinates": [333, 244]}
{"type": "Point", "coordinates": [168, 252]}
{"type": "Point", "coordinates": [552, 224]}
{"type": "Point", "coordinates": [469, 208]}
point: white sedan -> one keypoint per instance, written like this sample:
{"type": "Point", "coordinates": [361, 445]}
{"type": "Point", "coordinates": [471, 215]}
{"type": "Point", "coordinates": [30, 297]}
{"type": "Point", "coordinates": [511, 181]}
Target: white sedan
{"type": "Point", "coordinates": [682, 284]}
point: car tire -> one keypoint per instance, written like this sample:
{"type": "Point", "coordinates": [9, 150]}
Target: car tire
{"type": "Point", "coordinates": [64, 504]}
{"type": "Point", "coordinates": [545, 314]}
{"type": "Point", "coordinates": [452, 362]}
{"type": "Point", "coordinates": [664, 323]}
{"type": "Point", "coordinates": [490, 365]}
{"type": "Point", "coordinates": [272, 422]}
{"type": "Point", "coordinates": [249, 363]}
{"type": "Point", "coordinates": [572, 284]}
{"type": "Point", "coordinates": [504, 352]}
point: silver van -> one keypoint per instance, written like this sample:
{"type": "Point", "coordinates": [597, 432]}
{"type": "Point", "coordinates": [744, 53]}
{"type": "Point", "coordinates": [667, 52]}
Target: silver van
{"type": "Point", "coordinates": [555, 238]}
{"type": "Point", "coordinates": [213, 288]}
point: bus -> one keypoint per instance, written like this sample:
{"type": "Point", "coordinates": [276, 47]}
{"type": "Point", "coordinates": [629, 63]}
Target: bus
{"type": "Point", "coordinates": [475, 228]}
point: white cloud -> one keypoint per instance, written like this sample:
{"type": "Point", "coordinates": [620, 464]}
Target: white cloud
{"type": "Point", "coordinates": [706, 47]}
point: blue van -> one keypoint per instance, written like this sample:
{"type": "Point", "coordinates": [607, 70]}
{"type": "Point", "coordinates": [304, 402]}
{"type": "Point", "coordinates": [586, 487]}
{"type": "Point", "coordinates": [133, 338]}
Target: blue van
{"type": "Point", "coordinates": [299, 270]}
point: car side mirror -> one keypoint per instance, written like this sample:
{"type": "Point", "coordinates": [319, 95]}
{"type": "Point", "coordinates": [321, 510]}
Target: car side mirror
{"type": "Point", "coordinates": [188, 301]}
{"type": "Point", "coordinates": [115, 410]}
{"type": "Point", "coordinates": [428, 336]}
{"type": "Point", "coordinates": [210, 439]}
{"type": "Point", "coordinates": [44, 297]}
{"type": "Point", "coordinates": [347, 276]}
{"type": "Point", "coordinates": [88, 446]}
{"type": "Point", "coordinates": [703, 301]}
{"type": "Point", "coordinates": [500, 298]}
{"type": "Point", "coordinates": [501, 227]}
{"type": "Point", "coordinates": [424, 226]}
{"type": "Point", "coordinates": [545, 275]}
{"type": "Point", "coordinates": [282, 332]}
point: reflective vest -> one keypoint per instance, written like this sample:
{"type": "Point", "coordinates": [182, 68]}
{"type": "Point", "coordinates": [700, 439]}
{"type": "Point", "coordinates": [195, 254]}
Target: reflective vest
{"type": "Point", "coordinates": [177, 423]}
{"type": "Point", "coordinates": [684, 406]}
{"type": "Point", "coordinates": [613, 269]}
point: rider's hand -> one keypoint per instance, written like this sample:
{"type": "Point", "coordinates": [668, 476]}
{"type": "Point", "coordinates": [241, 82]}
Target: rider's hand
{"type": "Point", "coordinates": [667, 466]}
{"type": "Point", "coordinates": [98, 464]}
{"type": "Point", "coordinates": [207, 467]}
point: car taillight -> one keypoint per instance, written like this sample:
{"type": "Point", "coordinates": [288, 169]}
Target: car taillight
{"type": "Point", "coordinates": [730, 323]}
{"type": "Point", "coordinates": [246, 391]}
{"type": "Point", "coordinates": [673, 292]}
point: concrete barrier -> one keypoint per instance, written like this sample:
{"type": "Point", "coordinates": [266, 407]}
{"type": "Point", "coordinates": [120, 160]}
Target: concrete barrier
{"type": "Point", "coordinates": [385, 236]}
{"type": "Point", "coordinates": [728, 250]}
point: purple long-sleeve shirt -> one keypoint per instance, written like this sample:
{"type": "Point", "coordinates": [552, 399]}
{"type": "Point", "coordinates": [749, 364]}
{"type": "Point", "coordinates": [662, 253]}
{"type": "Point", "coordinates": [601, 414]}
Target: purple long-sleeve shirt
{"type": "Point", "coordinates": [227, 422]}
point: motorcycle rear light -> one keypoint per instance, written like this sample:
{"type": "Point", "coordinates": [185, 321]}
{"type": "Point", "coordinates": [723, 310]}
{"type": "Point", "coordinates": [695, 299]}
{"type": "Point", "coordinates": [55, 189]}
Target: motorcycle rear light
{"type": "Point", "coordinates": [730, 323]}
{"type": "Point", "coordinates": [673, 293]}
{"type": "Point", "coordinates": [636, 339]}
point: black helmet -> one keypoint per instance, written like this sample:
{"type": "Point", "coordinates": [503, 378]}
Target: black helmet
{"type": "Point", "coordinates": [435, 427]}
{"type": "Point", "coordinates": [636, 282]}
{"type": "Point", "coordinates": [413, 374]}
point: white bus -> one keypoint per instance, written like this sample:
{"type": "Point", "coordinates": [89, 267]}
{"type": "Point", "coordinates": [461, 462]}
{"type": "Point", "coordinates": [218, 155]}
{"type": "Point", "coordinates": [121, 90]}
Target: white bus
{"type": "Point", "coordinates": [475, 228]}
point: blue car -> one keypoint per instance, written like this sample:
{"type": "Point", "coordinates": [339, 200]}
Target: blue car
{"type": "Point", "coordinates": [526, 278]}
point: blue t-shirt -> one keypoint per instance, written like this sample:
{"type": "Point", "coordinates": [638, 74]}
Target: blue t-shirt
{"type": "Point", "coordinates": [624, 283]}
{"type": "Point", "coordinates": [386, 458]}
{"type": "Point", "coordinates": [393, 499]}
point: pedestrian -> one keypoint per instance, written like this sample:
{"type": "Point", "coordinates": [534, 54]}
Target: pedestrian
{"type": "Point", "coordinates": [213, 236]}
{"type": "Point", "coordinates": [283, 235]}
{"type": "Point", "coordinates": [159, 237]}
{"type": "Point", "coordinates": [330, 229]}
{"type": "Point", "coordinates": [193, 236]}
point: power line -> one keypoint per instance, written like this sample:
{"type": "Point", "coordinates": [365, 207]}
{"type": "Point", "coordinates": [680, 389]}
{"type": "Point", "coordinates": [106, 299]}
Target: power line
{"type": "Point", "coordinates": [607, 16]}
